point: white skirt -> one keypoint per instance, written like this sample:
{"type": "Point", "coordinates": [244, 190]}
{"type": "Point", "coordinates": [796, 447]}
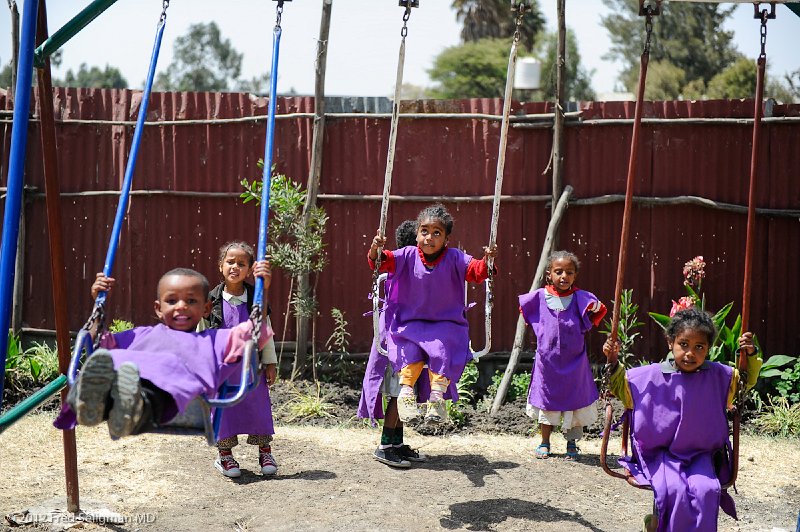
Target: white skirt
{"type": "Point", "coordinates": [568, 420]}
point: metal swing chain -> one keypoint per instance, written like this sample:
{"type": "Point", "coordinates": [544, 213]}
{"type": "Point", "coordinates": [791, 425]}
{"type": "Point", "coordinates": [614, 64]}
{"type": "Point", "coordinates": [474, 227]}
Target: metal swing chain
{"type": "Point", "coordinates": [395, 112]}
{"type": "Point", "coordinates": [520, 16]}
{"type": "Point", "coordinates": [163, 18]}
{"type": "Point", "coordinates": [406, 16]}
{"type": "Point", "coordinates": [648, 28]}
{"type": "Point", "coordinates": [98, 316]}
{"type": "Point", "coordinates": [764, 17]}
{"type": "Point", "coordinates": [278, 13]}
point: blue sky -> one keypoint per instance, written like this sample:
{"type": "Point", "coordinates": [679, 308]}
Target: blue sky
{"type": "Point", "coordinates": [364, 40]}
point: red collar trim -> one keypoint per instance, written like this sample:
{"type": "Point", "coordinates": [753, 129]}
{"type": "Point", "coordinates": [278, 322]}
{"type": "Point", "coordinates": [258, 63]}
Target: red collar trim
{"type": "Point", "coordinates": [552, 290]}
{"type": "Point", "coordinates": [433, 263]}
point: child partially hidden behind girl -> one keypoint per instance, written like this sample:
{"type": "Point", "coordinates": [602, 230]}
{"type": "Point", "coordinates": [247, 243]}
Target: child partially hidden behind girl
{"type": "Point", "coordinates": [145, 376]}
{"type": "Point", "coordinates": [679, 428]}
{"type": "Point", "coordinates": [429, 323]}
{"type": "Point", "coordinates": [231, 303]}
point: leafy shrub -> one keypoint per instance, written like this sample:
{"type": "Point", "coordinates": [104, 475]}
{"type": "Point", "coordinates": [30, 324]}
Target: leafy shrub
{"type": "Point", "coordinates": [520, 382]}
{"type": "Point", "coordinates": [457, 411]}
{"type": "Point", "coordinates": [780, 418]}
{"type": "Point", "coordinates": [339, 338]}
{"type": "Point", "coordinates": [628, 321]}
{"type": "Point", "coordinates": [788, 384]}
{"type": "Point", "coordinates": [119, 326]}
{"type": "Point", "coordinates": [30, 367]}
{"type": "Point", "coordinates": [305, 404]}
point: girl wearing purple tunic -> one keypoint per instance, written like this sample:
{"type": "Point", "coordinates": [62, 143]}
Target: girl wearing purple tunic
{"type": "Point", "coordinates": [679, 428]}
{"type": "Point", "coordinates": [428, 323]}
{"type": "Point", "coordinates": [562, 389]}
{"type": "Point", "coordinates": [380, 380]}
{"type": "Point", "coordinates": [145, 376]}
{"type": "Point", "coordinates": [231, 303]}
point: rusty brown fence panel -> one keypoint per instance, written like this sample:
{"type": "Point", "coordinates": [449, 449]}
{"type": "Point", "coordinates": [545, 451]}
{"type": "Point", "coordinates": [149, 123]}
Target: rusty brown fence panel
{"type": "Point", "coordinates": [185, 202]}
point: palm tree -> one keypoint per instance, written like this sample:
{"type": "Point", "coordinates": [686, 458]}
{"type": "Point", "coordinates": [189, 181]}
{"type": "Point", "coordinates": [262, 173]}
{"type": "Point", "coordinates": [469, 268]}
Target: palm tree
{"type": "Point", "coordinates": [495, 19]}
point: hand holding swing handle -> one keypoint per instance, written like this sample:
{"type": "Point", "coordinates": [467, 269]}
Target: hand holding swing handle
{"type": "Point", "coordinates": [611, 351]}
{"type": "Point", "coordinates": [377, 243]}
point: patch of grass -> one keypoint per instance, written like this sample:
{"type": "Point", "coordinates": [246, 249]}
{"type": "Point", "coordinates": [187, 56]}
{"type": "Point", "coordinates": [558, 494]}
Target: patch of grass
{"type": "Point", "coordinates": [780, 418]}
{"type": "Point", "coordinates": [305, 404]}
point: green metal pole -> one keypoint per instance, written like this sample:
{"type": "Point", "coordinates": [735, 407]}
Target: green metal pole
{"type": "Point", "coordinates": [69, 30]}
{"type": "Point", "coordinates": [795, 8]}
{"type": "Point", "coordinates": [19, 411]}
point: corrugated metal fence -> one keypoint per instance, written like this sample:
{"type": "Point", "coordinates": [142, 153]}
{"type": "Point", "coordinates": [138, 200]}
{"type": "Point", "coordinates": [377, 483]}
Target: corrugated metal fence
{"type": "Point", "coordinates": [200, 145]}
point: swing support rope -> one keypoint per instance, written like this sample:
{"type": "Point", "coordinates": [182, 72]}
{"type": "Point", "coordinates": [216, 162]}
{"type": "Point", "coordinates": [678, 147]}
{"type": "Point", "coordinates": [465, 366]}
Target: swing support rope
{"type": "Point", "coordinates": [649, 11]}
{"type": "Point", "coordinates": [387, 179]}
{"type": "Point", "coordinates": [761, 64]}
{"type": "Point", "coordinates": [97, 318]}
{"type": "Point", "coordinates": [498, 184]}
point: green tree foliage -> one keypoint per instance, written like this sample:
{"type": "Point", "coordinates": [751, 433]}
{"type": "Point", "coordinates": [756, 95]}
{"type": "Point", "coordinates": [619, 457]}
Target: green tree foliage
{"type": "Point", "coordinates": [482, 19]}
{"type": "Point", "coordinates": [108, 78]}
{"type": "Point", "coordinates": [579, 80]}
{"type": "Point", "coordinates": [471, 70]}
{"type": "Point", "coordinates": [203, 61]}
{"type": "Point", "coordinates": [687, 35]}
{"type": "Point", "coordinates": [736, 81]}
{"type": "Point", "coordinates": [5, 76]}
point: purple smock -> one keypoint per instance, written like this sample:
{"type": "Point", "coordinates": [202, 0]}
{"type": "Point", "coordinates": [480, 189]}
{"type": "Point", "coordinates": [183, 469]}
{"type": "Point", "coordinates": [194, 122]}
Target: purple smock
{"type": "Point", "coordinates": [370, 406]}
{"type": "Point", "coordinates": [562, 377]}
{"type": "Point", "coordinates": [679, 423]}
{"type": "Point", "coordinates": [183, 364]}
{"type": "Point", "coordinates": [253, 415]}
{"type": "Point", "coordinates": [429, 321]}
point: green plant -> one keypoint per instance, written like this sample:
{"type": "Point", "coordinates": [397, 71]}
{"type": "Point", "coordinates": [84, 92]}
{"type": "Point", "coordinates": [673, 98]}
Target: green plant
{"type": "Point", "coordinates": [37, 364]}
{"type": "Point", "coordinates": [305, 404]}
{"type": "Point", "coordinates": [338, 341]}
{"type": "Point", "coordinates": [520, 382]}
{"type": "Point", "coordinates": [628, 321]}
{"type": "Point", "coordinates": [457, 411]}
{"type": "Point", "coordinates": [119, 326]}
{"type": "Point", "coordinates": [780, 418]}
{"type": "Point", "coordinates": [788, 385]}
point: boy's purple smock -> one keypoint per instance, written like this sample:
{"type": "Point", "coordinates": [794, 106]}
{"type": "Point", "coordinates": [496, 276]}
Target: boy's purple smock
{"type": "Point", "coordinates": [562, 377]}
{"type": "Point", "coordinates": [253, 415]}
{"type": "Point", "coordinates": [429, 314]}
{"type": "Point", "coordinates": [370, 406]}
{"type": "Point", "coordinates": [679, 422]}
{"type": "Point", "coordinates": [183, 364]}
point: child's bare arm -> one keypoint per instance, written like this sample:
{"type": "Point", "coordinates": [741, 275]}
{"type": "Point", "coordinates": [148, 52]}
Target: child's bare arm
{"type": "Point", "coordinates": [378, 241]}
{"type": "Point", "coordinates": [102, 284]}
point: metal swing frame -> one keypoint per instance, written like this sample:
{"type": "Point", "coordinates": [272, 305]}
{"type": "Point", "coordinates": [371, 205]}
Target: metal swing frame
{"type": "Point", "coordinates": [197, 417]}
{"type": "Point", "coordinates": [650, 9]}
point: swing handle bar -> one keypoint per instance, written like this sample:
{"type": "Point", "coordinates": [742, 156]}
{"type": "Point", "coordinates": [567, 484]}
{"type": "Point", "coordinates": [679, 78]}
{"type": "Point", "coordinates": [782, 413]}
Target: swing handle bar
{"type": "Point", "coordinates": [376, 313]}
{"type": "Point", "coordinates": [488, 306]}
{"type": "Point", "coordinates": [248, 378]}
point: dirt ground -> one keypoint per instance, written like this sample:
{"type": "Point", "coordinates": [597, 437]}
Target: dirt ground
{"type": "Point", "coordinates": [328, 480]}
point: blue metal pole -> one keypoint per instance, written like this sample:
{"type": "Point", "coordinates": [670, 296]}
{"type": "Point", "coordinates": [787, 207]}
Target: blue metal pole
{"type": "Point", "coordinates": [261, 253]}
{"type": "Point", "coordinates": [16, 171]}
{"type": "Point", "coordinates": [124, 197]}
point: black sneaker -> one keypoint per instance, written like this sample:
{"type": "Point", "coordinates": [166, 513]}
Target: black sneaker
{"type": "Point", "coordinates": [407, 453]}
{"type": "Point", "coordinates": [390, 457]}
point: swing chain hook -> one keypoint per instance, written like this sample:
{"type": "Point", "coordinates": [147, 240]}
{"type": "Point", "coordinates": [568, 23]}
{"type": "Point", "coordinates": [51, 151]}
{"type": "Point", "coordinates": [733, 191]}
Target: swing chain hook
{"type": "Point", "coordinates": [164, 6]}
{"type": "Point", "coordinates": [520, 16]}
{"type": "Point", "coordinates": [278, 13]}
{"type": "Point", "coordinates": [404, 29]}
{"type": "Point", "coordinates": [649, 11]}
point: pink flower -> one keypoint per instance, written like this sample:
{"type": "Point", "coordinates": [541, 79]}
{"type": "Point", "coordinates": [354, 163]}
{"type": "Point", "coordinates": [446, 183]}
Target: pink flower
{"type": "Point", "coordinates": [683, 303]}
{"type": "Point", "coordinates": [694, 271]}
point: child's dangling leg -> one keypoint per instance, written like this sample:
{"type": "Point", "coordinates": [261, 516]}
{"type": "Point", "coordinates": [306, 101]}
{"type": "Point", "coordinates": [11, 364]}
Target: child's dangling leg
{"type": "Point", "coordinates": [437, 413]}
{"type": "Point", "coordinates": [225, 462]}
{"type": "Point", "coordinates": [573, 435]}
{"type": "Point", "coordinates": [387, 453]}
{"type": "Point", "coordinates": [102, 393]}
{"type": "Point", "coordinates": [404, 451]}
{"type": "Point", "coordinates": [269, 466]}
{"type": "Point", "coordinates": [543, 451]}
{"type": "Point", "coordinates": [407, 407]}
